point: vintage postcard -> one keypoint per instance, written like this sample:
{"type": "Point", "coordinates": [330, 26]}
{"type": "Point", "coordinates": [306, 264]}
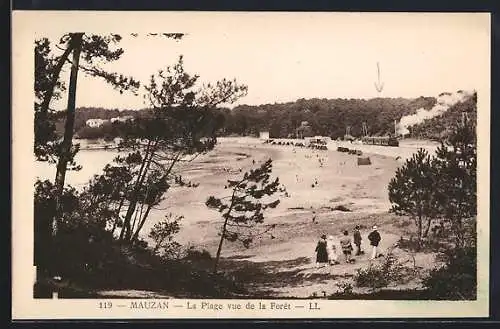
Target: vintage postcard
{"type": "Point", "coordinates": [250, 165]}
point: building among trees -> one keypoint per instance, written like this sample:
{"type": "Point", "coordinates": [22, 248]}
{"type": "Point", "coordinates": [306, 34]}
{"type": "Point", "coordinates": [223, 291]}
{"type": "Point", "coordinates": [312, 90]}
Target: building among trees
{"type": "Point", "coordinates": [94, 123]}
{"type": "Point", "coordinates": [304, 130]}
{"type": "Point", "coordinates": [122, 119]}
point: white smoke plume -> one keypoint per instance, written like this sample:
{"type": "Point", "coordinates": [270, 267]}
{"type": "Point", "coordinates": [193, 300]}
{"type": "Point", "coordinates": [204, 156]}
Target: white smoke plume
{"type": "Point", "coordinates": [444, 102]}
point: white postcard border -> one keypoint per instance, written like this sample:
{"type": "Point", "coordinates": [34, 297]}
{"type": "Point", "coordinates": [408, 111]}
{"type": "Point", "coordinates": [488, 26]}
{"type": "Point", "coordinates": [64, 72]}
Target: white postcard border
{"type": "Point", "coordinates": [28, 24]}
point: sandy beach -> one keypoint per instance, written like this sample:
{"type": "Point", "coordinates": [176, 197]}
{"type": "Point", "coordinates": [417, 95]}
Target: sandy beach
{"type": "Point", "coordinates": [286, 254]}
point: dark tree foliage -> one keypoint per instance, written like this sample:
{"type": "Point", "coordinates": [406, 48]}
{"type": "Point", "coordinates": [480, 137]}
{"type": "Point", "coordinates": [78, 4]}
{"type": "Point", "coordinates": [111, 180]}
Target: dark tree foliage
{"type": "Point", "coordinates": [88, 52]}
{"type": "Point", "coordinates": [94, 50]}
{"type": "Point", "coordinates": [244, 209]}
{"type": "Point", "coordinates": [162, 234]}
{"type": "Point", "coordinates": [442, 186]}
{"type": "Point", "coordinates": [456, 162]}
{"type": "Point", "coordinates": [441, 127]}
{"type": "Point", "coordinates": [45, 67]}
{"type": "Point", "coordinates": [180, 125]}
{"type": "Point", "coordinates": [105, 195]}
{"type": "Point", "coordinates": [327, 117]}
{"type": "Point", "coordinates": [72, 250]}
{"type": "Point", "coordinates": [447, 183]}
{"type": "Point", "coordinates": [457, 278]}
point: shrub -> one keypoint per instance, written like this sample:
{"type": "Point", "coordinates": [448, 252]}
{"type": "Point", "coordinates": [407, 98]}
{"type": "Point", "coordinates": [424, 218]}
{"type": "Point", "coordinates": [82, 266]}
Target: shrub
{"type": "Point", "coordinates": [345, 288]}
{"type": "Point", "coordinates": [163, 233]}
{"type": "Point", "coordinates": [379, 276]}
{"type": "Point", "coordinates": [430, 244]}
{"type": "Point", "coordinates": [193, 254]}
{"type": "Point", "coordinates": [456, 280]}
{"type": "Point", "coordinates": [372, 277]}
{"type": "Point", "coordinates": [403, 223]}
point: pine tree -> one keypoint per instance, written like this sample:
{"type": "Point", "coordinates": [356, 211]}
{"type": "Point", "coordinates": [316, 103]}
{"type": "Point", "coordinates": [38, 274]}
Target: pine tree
{"type": "Point", "coordinates": [412, 192]}
{"type": "Point", "coordinates": [87, 51]}
{"type": "Point", "coordinates": [243, 210]}
{"type": "Point", "coordinates": [181, 125]}
{"type": "Point", "coordinates": [456, 162]}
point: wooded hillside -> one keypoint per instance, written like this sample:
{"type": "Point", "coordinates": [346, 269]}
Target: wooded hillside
{"type": "Point", "coordinates": [327, 117]}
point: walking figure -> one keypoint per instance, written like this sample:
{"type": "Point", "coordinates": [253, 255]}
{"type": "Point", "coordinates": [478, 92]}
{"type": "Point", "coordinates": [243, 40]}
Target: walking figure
{"type": "Point", "coordinates": [332, 251]}
{"type": "Point", "coordinates": [357, 241]}
{"type": "Point", "coordinates": [321, 252]}
{"type": "Point", "coordinates": [345, 243]}
{"type": "Point", "coordinates": [374, 238]}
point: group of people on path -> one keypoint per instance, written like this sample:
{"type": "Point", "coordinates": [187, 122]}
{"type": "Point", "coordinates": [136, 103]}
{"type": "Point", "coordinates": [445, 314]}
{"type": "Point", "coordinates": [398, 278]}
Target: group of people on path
{"type": "Point", "coordinates": [326, 249]}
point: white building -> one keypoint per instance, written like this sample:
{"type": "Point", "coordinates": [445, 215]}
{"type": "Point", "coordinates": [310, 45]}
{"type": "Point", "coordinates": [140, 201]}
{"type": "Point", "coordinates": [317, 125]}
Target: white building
{"type": "Point", "coordinates": [94, 123]}
{"type": "Point", "coordinates": [264, 135]}
{"type": "Point", "coordinates": [122, 119]}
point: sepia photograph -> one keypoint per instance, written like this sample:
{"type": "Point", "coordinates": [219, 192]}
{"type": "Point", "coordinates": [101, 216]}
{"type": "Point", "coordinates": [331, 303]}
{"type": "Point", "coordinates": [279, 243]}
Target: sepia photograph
{"type": "Point", "coordinates": [243, 156]}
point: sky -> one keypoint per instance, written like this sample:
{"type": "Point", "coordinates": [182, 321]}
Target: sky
{"type": "Point", "coordinates": [282, 59]}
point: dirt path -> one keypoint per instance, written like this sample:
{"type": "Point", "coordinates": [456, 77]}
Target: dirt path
{"type": "Point", "coordinates": [289, 269]}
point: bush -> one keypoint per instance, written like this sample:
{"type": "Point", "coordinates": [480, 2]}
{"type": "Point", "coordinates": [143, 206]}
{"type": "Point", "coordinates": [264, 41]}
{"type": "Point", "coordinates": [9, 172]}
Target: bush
{"type": "Point", "coordinates": [81, 240]}
{"type": "Point", "coordinates": [193, 254]}
{"type": "Point", "coordinates": [379, 276]}
{"type": "Point", "coordinates": [403, 223]}
{"type": "Point", "coordinates": [430, 244]}
{"type": "Point", "coordinates": [162, 235]}
{"type": "Point", "coordinates": [372, 277]}
{"type": "Point", "coordinates": [345, 288]}
{"type": "Point", "coordinates": [456, 280]}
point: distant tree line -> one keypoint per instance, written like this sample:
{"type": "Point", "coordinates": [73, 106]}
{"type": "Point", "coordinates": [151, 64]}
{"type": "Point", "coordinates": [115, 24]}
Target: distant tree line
{"type": "Point", "coordinates": [327, 117]}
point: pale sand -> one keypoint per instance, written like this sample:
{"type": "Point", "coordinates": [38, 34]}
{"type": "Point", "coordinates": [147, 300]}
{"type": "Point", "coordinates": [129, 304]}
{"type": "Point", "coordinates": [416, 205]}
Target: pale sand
{"type": "Point", "coordinates": [363, 189]}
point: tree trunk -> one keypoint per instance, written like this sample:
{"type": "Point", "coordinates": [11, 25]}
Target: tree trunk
{"type": "Point", "coordinates": [44, 108]}
{"type": "Point", "coordinates": [132, 227]}
{"type": "Point", "coordinates": [165, 176]}
{"type": "Point", "coordinates": [426, 231]}
{"type": "Point", "coordinates": [118, 216]}
{"type": "Point", "coordinates": [216, 262]}
{"type": "Point", "coordinates": [143, 220]}
{"type": "Point", "coordinates": [419, 228]}
{"type": "Point", "coordinates": [228, 213]}
{"type": "Point", "coordinates": [76, 41]}
{"type": "Point", "coordinates": [135, 195]}
{"type": "Point", "coordinates": [459, 232]}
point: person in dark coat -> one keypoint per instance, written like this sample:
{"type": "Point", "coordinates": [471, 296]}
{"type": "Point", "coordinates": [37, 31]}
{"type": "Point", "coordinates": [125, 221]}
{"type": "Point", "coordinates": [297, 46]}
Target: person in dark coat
{"type": "Point", "coordinates": [374, 238]}
{"type": "Point", "coordinates": [357, 240]}
{"type": "Point", "coordinates": [321, 252]}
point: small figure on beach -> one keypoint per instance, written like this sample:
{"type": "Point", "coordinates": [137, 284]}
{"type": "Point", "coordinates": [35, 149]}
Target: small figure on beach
{"type": "Point", "coordinates": [321, 252]}
{"type": "Point", "coordinates": [357, 241]}
{"type": "Point", "coordinates": [374, 238]}
{"type": "Point", "coordinates": [333, 256]}
{"type": "Point", "coordinates": [345, 243]}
